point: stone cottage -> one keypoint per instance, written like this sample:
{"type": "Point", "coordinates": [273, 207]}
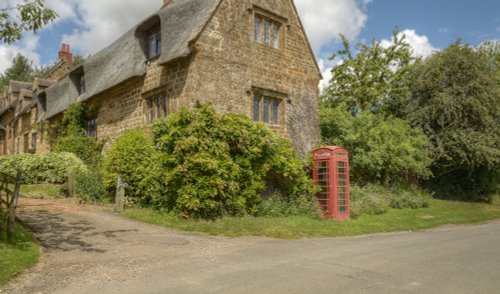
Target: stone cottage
{"type": "Point", "coordinates": [244, 56]}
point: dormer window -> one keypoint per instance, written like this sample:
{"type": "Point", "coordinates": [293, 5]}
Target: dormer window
{"type": "Point", "coordinates": [81, 84]}
{"type": "Point", "coordinates": [267, 31]}
{"type": "Point", "coordinates": [78, 79]}
{"type": "Point", "coordinates": [153, 39]}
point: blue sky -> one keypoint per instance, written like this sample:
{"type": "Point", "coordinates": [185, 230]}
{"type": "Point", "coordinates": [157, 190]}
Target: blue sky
{"type": "Point", "coordinates": [90, 25]}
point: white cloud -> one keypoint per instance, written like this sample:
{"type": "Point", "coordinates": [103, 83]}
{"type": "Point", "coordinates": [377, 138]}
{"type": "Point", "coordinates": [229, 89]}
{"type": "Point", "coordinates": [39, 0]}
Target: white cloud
{"type": "Point", "coordinates": [27, 48]}
{"type": "Point", "coordinates": [324, 20]}
{"type": "Point", "coordinates": [420, 44]}
{"type": "Point", "coordinates": [99, 23]}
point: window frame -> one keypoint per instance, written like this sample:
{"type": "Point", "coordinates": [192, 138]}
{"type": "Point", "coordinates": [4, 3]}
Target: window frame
{"type": "Point", "coordinates": [268, 107]}
{"type": "Point", "coordinates": [153, 35]}
{"type": "Point", "coordinates": [90, 127]}
{"type": "Point", "coordinates": [266, 35]}
{"type": "Point", "coordinates": [156, 107]}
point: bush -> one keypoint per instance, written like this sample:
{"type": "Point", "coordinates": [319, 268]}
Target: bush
{"type": "Point", "coordinates": [87, 149]}
{"type": "Point", "coordinates": [134, 157]}
{"type": "Point", "coordinates": [277, 206]}
{"type": "Point", "coordinates": [221, 164]}
{"type": "Point", "coordinates": [376, 199]}
{"type": "Point", "coordinates": [89, 186]}
{"type": "Point", "coordinates": [50, 168]}
{"type": "Point", "coordinates": [382, 150]}
{"type": "Point", "coordinates": [411, 197]}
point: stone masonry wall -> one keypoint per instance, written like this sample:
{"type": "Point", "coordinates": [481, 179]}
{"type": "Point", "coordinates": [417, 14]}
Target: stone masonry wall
{"type": "Point", "coordinates": [228, 63]}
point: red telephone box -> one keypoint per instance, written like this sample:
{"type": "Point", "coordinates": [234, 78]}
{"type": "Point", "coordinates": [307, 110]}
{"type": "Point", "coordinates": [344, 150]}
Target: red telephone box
{"type": "Point", "coordinates": [331, 175]}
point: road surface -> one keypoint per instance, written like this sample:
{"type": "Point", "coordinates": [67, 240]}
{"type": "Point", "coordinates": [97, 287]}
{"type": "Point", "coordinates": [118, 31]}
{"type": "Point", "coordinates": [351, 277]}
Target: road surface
{"type": "Point", "coordinates": [87, 250]}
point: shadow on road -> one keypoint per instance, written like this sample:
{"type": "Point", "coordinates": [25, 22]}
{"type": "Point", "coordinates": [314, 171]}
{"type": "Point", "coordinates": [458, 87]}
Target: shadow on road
{"type": "Point", "coordinates": [55, 233]}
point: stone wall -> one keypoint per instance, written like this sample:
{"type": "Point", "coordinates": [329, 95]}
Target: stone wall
{"type": "Point", "coordinates": [229, 64]}
{"type": "Point", "coordinates": [225, 69]}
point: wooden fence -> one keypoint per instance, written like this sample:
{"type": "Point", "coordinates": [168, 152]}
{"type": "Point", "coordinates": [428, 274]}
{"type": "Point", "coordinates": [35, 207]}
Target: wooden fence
{"type": "Point", "coordinates": [8, 204]}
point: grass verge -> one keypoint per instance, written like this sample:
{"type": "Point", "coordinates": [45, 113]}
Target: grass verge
{"type": "Point", "coordinates": [19, 256]}
{"type": "Point", "coordinates": [439, 213]}
{"type": "Point", "coordinates": [41, 190]}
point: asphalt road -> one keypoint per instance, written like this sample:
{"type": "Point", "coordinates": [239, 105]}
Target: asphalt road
{"type": "Point", "coordinates": [93, 251]}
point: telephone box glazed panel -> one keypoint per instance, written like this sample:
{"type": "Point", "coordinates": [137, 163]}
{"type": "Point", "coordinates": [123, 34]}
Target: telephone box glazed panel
{"type": "Point", "coordinates": [331, 175]}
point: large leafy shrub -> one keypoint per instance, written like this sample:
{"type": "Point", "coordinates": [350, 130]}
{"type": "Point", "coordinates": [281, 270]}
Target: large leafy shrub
{"type": "Point", "coordinates": [383, 150]}
{"type": "Point", "coordinates": [456, 102]}
{"type": "Point", "coordinates": [221, 164]}
{"type": "Point", "coordinates": [135, 157]}
{"type": "Point", "coordinates": [51, 168]}
{"type": "Point", "coordinates": [73, 137]}
{"type": "Point", "coordinates": [87, 149]}
{"type": "Point", "coordinates": [89, 186]}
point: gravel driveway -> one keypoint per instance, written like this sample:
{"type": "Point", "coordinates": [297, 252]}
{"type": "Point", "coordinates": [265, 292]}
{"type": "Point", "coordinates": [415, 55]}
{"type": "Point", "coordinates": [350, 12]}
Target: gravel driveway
{"type": "Point", "coordinates": [90, 250]}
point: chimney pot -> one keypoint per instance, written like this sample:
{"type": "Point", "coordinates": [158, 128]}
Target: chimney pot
{"type": "Point", "coordinates": [65, 54]}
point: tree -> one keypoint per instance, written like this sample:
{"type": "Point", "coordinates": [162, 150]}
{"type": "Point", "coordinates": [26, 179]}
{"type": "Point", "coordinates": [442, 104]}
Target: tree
{"type": "Point", "coordinates": [21, 70]}
{"type": "Point", "coordinates": [456, 101]}
{"type": "Point", "coordinates": [375, 79]}
{"type": "Point", "coordinates": [382, 149]}
{"type": "Point", "coordinates": [32, 15]}
{"type": "Point", "coordinates": [358, 108]}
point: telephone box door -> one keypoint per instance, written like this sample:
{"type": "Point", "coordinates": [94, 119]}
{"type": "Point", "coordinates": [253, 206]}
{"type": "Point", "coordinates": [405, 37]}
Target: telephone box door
{"type": "Point", "coordinates": [331, 176]}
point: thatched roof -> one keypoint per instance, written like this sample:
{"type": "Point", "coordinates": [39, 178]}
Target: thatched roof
{"type": "Point", "coordinates": [16, 86]}
{"type": "Point", "coordinates": [181, 22]}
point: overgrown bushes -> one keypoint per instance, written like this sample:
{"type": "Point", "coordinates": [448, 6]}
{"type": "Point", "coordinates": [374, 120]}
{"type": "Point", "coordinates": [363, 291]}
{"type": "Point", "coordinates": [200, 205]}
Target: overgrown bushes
{"type": "Point", "coordinates": [73, 137]}
{"type": "Point", "coordinates": [52, 168]}
{"type": "Point", "coordinates": [135, 157]}
{"type": "Point", "coordinates": [219, 165]}
{"type": "Point", "coordinates": [376, 199]}
{"type": "Point", "coordinates": [383, 150]}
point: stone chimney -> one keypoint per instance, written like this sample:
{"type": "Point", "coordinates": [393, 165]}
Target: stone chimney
{"type": "Point", "coordinates": [166, 2]}
{"type": "Point", "coordinates": [65, 54]}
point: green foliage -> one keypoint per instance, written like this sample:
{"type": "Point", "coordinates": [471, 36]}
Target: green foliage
{"type": "Point", "coordinates": [29, 16]}
{"type": "Point", "coordinates": [375, 199]}
{"type": "Point", "coordinates": [73, 136]}
{"type": "Point", "coordinates": [42, 168]}
{"type": "Point", "coordinates": [221, 164]}
{"type": "Point", "coordinates": [135, 157]}
{"type": "Point", "coordinates": [72, 121]}
{"type": "Point", "coordinates": [383, 150]}
{"type": "Point", "coordinates": [456, 102]}
{"type": "Point", "coordinates": [18, 256]}
{"type": "Point", "coordinates": [21, 70]}
{"type": "Point", "coordinates": [277, 206]}
{"type": "Point", "coordinates": [375, 79]}
{"type": "Point", "coordinates": [89, 186]}
{"type": "Point", "coordinates": [87, 149]}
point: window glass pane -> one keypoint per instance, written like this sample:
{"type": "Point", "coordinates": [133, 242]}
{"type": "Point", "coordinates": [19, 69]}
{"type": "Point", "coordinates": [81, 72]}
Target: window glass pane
{"type": "Point", "coordinates": [164, 106]}
{"type": "Point", "coordinates": [257, 28]}
{"type": "Point", "coordinates": [154, 39]}
{"type": "Point", "coordinates": [150, 109]}
{"type": "Point", "coordinates": [276, 35]}
{"type": "Point", "coordinates": [158, 107]}
{"type": "Point", "coordinates": [158, 43]}
{"type": "Point", "coordinates": [276, 105]}
{"type": "Point", "coordinates": [267, 106]}
{"type": "Point", "coordinates": [267, 31]}
{"type": "Point", "coordinates": [256, 108]}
